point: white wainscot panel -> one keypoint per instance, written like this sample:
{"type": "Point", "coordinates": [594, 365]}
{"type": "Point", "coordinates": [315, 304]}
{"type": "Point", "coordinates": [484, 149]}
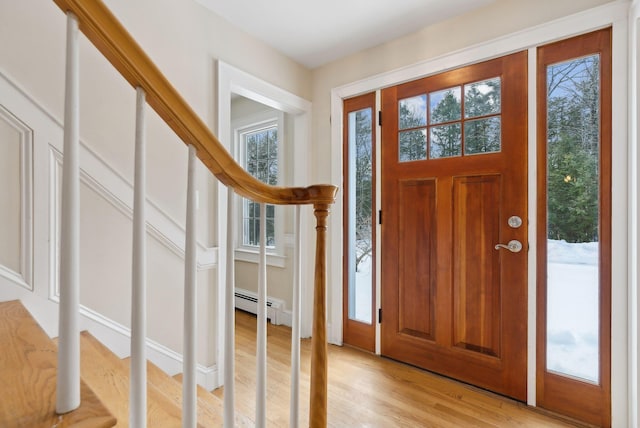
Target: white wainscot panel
{"type": "Point", "coordinates": [16, 189]}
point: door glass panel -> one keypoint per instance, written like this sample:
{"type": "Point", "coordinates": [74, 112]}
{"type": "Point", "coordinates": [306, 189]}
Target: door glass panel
{"type": "Point", "coordinates": [445, 141]}
{"type": "Point", "coordinates": [573, 146]}
{"type": "Point", "coordinates": [444, 106]}
{"type": "Point", "coordinates": [360, 215]}
{"type": "Point", "coordinates": [413, 145]}
{"type": "Point", "coordinates": [482, 136]}
{"type": "Point", "coordinates": [482, 98]}
{"type": "Point", "coordinates": [412, 112]}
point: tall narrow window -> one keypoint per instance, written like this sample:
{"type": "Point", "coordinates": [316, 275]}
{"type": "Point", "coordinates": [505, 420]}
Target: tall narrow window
{"type": "Point", "coordinates": [573, 150]}
{"type": "Point", "coordinates": [574, 226]}
{"type": "Point", "coordinates": [260, 147]}
{"type": "Point", "coordinates": [359, 296]}
{"type": "Point", "coordinates": [259, 135]}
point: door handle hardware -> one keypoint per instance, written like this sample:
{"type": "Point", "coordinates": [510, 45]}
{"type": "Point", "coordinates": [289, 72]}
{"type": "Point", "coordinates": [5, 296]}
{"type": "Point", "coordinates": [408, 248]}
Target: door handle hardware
{"type": "Point", "coordinates": [514, 246]}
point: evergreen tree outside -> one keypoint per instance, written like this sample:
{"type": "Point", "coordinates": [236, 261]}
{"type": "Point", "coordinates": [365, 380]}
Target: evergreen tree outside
{"type": "Point", "coordinates": [412, 145]}
{"type": "Point", "coordinates": [573, 129]}
{"type": "Point", "coordinates": [482, 99]}
{"type": "Point", "coordinates": [445, 140]}
{"type": "Point", "coordinates": [482, 135]}
{"type": "Point", "coordinates": [261, 161]}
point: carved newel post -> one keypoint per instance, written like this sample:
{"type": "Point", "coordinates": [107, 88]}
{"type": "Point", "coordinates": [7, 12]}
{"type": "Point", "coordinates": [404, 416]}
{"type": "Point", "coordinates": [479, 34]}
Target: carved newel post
{"type": "Point", "coordinates": [318, 395]}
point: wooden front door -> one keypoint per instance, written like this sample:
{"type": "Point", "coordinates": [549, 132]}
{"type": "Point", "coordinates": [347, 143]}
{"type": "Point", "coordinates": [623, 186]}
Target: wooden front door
{"type": "Point", "coordinates": [454, 187]}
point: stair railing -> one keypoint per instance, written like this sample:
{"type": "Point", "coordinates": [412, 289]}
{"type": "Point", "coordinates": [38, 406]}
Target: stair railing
{"type": "Point", "coordinates": [98, 24]}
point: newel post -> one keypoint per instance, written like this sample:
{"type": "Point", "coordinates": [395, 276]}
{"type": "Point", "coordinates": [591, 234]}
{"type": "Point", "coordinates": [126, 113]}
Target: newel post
{"type": "Point", "coordinates": [318, 396]}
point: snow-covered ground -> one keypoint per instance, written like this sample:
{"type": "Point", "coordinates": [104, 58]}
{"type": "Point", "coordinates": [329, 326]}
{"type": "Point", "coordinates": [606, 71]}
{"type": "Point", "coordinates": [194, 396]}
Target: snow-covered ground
{"type": "Point", "coordinates": [572, 309]}
{"type": "Point", "coordinates": [572, 312]}
{"type": "Point", "coordinates": [363, 290]}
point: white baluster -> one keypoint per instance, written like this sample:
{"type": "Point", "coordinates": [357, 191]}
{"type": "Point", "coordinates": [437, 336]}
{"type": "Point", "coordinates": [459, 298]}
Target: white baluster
{"type": "Point", "coordinates": [189, 397]}
{"type": "Point", "coordinates": [138, 379]}
{"type": "Point", "coordinates": [295, 324]}
{"type": "Point", "coordinates": [229, 318]}
{"type": "Point", "coordinates": [261, 351]}
{"type": "Point", "coordinates": [68, 381]}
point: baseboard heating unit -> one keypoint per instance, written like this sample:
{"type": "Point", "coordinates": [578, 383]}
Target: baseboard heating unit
{"type": "Point", "coordinates": [248, 301]}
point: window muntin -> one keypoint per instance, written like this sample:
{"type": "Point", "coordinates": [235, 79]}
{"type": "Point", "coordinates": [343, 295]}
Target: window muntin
{"type": "Point", "coordinates": [444, 124]}
{"type": "Point", "coordinates": [259, 147]}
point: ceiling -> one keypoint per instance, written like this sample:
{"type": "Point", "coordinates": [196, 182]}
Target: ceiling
{"type": "Point", "coordinates": [315, 32]}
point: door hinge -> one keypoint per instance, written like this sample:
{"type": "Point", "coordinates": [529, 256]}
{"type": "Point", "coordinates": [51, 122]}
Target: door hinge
{"type": "Point", "coordinates": [379, 315]}
{"type": "Point", "coordinates": [379, 117]}
{"type": "Point", "coordinates": [379, 216]}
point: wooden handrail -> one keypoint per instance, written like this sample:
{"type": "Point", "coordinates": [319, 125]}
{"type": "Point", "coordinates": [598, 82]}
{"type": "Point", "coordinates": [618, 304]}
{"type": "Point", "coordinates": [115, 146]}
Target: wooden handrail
{"type": "Point", "coordinates": [108, 35]}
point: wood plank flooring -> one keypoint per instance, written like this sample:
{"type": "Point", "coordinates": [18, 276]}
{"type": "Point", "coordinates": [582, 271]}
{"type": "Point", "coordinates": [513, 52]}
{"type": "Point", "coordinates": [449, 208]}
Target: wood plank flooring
{"type": "Point", "coordinates": [370, 391]}
{"type": "Point", "coordinates": [28, 361]}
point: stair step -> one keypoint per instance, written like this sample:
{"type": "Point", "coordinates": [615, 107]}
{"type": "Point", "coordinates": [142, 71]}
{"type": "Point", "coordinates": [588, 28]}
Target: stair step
{"type": "Point", "coordinates": [109, 376]}
{"type": "Point", "coordinates": [206, 398]}
{"type": "Point", "coordinates": [209, 414]}
{"type": "Point", "coordinates": [28, 378]}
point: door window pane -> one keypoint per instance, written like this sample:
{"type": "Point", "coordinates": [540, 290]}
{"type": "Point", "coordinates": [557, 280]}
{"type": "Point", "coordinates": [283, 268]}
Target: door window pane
{"type": "Point", "coordinates": [444, 106]}
{"type": "Point", "coordinates": [482, 98]}
{"type": "Point", "coordinates": [413, 145]}
{"type": "Point", "coordinates": [412, 112]}
{"type": "Point", "coordinates": [360, 215]}
{"type": "Point", "coordinates": [445, 141]}
{"type": "Point", "coordinates": [482, 136]}
{"type": "Point", "coordinates": [573, 149]}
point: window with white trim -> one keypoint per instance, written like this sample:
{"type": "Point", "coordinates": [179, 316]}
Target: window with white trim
{"type": "Point", "coordinates": [258, 144]}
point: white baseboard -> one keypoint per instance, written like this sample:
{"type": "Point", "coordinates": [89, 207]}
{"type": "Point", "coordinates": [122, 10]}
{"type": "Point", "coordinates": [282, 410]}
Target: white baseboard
{"type": "Point", "coordinates": [117, 338]}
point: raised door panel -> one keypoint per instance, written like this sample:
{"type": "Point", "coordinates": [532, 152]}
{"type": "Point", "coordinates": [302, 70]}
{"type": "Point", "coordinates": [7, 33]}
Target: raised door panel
{"type": "Point", "coordinates": [417, 255]}
{"type": "Point", "coordinates": [476, 265]}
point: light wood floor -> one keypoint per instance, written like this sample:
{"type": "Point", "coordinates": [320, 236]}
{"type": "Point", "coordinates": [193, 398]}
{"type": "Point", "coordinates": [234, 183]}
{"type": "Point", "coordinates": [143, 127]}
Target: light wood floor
{"type": "Point", "coordinates": [369, 391]}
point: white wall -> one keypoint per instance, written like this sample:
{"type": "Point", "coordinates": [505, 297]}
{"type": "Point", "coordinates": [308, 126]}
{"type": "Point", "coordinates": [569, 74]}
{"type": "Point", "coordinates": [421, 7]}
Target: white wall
{"type": "Point", "coordinates": [634, 226]}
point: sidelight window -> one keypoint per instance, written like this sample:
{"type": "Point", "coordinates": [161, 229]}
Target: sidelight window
{"type": "Point", "coordinates": [573, 148]}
